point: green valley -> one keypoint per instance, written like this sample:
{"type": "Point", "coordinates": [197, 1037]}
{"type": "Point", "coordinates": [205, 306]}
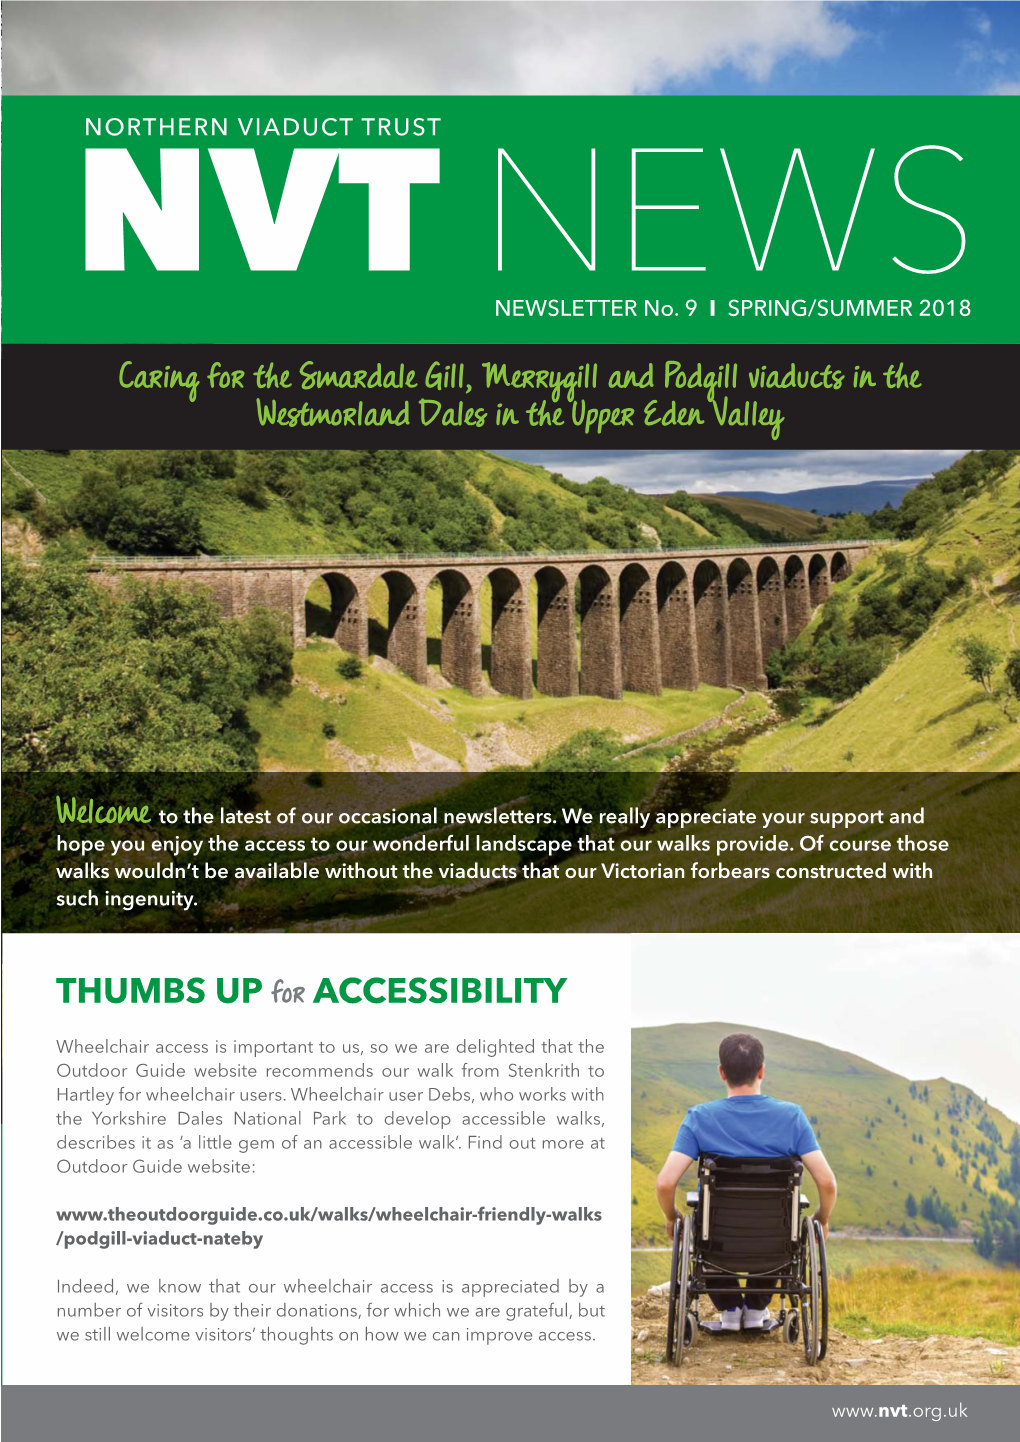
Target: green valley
{"type": "Point", "coordinates": [892, 1142]}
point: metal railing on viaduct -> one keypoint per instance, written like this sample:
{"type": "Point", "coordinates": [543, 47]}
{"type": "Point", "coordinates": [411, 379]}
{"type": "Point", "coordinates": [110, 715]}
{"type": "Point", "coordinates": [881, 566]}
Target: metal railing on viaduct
{"type": "Point", "coordinates": [647, 619]}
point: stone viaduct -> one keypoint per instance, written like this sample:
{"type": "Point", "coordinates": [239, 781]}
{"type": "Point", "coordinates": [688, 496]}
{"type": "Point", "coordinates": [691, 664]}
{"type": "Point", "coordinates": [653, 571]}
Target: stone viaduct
{"type": "Point", "coordinates": [647, 619]}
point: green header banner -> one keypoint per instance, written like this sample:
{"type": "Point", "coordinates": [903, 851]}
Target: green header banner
{"type": "Point", "coordinates": [668, 220]}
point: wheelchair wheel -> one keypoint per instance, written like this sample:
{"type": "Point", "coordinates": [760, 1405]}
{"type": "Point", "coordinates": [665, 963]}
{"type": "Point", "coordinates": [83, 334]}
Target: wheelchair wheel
{"type": "Point", "coordinates": [674, 1276]}
{"type": "Point", "coordinates": [810, 1302]}
{"type": "Point", "coordinates": [686, 1327]}
{"type": "Point", "coordinates": [823, 1282]}
{"type": "Point", "coordinates": [791, 1326]}
{"type": "Point", "coordinates": [690, 1329]}
{"type": "Point", "coordinates": [676, 1335]}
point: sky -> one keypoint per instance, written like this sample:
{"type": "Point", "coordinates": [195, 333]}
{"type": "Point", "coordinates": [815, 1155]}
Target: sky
{"type": "Point", "coordinates": [760, 47]}
{"type": "Point", "coordinates": [923, 1006]}
{"type": "Point", "coordinates": [706, 472]}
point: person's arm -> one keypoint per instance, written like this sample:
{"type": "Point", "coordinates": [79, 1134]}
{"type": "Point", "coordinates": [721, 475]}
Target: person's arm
{"type": "Point", "coordinates": [825, 1180]}
{"type": "Point", "coordinates": [669, 1179]}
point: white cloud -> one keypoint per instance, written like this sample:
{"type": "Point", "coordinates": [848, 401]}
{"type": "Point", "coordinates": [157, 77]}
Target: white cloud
{"type": "Point", "coordinates": [405, 48]}
{"type": "Point", "coordinates": [981, 51]}
{"type": "Point", "coordinates": [904, 1001]}
{"type": "Point", "coordinates": [1004, 87]}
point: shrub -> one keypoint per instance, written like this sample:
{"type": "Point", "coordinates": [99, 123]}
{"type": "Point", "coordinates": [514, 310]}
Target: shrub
{"type": "Point", "coordinates": [785, 663]}
{"type": "Point", "coordinates": [789, 702]}
{"type": "Point", "coordinates": [847, 669]}
{"type": "Point", "coordinates": [696, 779]}
{"type": "Point", "coordinates": [148, 678]}
{"type": "Point", "coordinates": [137, 518]}
{"type": "Point", "coordinates": [18, 496]}
{"type": "Point", "coordinates": [266, 644]}
{"type": "Point", "coordinates": [1013, 673]}
{"type": "Point", "coordinates": [160, 521]}
{"type": "Point", "coordinates": [971, 568]}
{"type": "Point", "coordinates": [350, 668]}
{"type": "Point", "coordinates": [249, 482]}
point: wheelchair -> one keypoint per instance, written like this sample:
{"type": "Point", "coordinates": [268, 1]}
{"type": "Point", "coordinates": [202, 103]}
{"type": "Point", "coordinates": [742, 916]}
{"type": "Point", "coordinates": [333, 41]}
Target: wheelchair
{"type": "Point", "coordinates": [746, 1221]}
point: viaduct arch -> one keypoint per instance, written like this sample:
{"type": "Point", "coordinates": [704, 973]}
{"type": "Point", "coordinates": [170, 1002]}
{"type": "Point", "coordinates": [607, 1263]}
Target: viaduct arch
{"type": "Point", "coordinates": [604, 622]}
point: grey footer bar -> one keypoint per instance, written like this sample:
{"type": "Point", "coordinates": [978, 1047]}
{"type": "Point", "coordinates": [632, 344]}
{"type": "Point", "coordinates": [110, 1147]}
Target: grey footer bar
{"type": "Point", "coordinates": [500, 1414]}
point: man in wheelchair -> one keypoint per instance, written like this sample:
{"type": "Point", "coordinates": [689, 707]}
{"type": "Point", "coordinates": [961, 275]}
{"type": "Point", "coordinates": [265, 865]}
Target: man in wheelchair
{"type": "Point", "coordinates": [747, 1222]}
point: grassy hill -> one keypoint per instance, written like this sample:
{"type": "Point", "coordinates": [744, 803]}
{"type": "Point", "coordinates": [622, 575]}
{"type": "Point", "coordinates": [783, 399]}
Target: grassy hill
{"type": "Point", "coordinates": [923, 712]}
{"type": "Point", "coordinates": [279, 502]}
{"type": "Point", "coordinates": [383, 721]}
{"type": "Point", "coordinates": [883, 1134]}
{"type": "Point", "coordinates": [860, 497]}
{"type": "Point", "coordinates": [772, 516]}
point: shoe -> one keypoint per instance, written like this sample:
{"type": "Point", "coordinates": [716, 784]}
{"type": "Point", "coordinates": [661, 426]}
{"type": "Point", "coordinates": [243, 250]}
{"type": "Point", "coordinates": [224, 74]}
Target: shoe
{"type": "Point", "coordinates": [754, 1321]}
{"type": "Point", "coordinates": [730, 1319]}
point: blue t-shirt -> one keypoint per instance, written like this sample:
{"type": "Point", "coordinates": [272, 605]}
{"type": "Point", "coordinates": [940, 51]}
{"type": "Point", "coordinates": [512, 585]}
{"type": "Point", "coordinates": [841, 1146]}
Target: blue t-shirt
{"type": "Point", "coordinates": [745, 1126]}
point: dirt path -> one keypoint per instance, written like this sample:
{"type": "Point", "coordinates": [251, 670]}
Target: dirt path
{"type": "Point", "coordinates": [745, 1360]}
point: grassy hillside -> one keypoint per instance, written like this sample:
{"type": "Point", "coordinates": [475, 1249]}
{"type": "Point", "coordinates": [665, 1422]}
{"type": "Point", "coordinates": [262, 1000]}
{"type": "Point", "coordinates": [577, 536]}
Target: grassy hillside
{"type": "Point", "coordinates": [923, 712]}
{"type": "Point", "coordinates": [772, 516]}
{"type": "Point", "coordinates": [229, 525]}
{"type": "Point", "coordinates": [383, 721]}
{"type": "Point", "coordinates": [885, 1136]}
{"type": "Point", "coordinates": [278, 502]}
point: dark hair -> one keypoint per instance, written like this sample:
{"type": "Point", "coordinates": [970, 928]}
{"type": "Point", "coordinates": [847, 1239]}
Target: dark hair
{"type": "Point", "coordinates": [741, 1057]}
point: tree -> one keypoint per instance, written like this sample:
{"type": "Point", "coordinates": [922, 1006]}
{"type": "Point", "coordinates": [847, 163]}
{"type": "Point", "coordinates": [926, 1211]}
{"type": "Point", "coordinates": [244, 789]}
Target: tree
{"type": "Point", "coordinates": [147, 678]}
{"type": "Point", "coordinates": [95, 501]}
{"type": "Point", "coordinates": [854, 526]}
{"type": "Point", "coordinates": [980, 659]}
{"type": "Point", "coordinates": [135, 513]}
{"type": "Point", "coordinates": [249, 482]}
{"type": "Point", "coordinates": [180, 465]}
{"type": "Point", "coordinates": [1013, 673]}
{"type": "Point", "coordinates": [266, 646]}
{"type": "Point", "coordinates": [934, 1209]}
{"type": "Point", "coordinates": [847, 669]}
{"type": "Point", "coordinates": [910, 1205]}
{"type": "Point", "coordinates": [921, 510]}
{"type": "Point", "coordinates": [163, 520]}
{"type": "Point", "coordinates": [220, 464]}
{"type": "Point", "coordinates": [784, 664]}
{"type": "Point", "coordinates": [984, 1243]}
